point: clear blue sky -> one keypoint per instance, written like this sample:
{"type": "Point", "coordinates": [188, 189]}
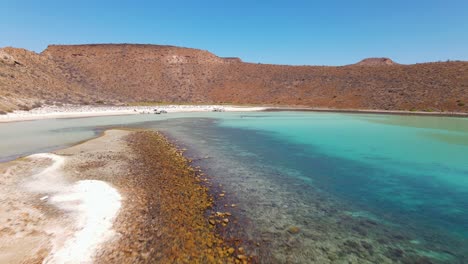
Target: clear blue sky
{"type": "Point", "coordinates": [282, 32]}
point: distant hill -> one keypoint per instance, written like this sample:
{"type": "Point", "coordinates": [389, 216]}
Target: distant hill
{"type": "Point", "coordinates": [125, 73]}
{"type": "Point", "coordinates": [376, 62]}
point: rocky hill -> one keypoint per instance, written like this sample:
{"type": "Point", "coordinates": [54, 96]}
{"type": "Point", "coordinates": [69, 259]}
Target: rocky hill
{"type": "Point", "coordinates": [376, 62]}
{"type": "Point", "coordinates": [28, 80]}
{"type": "Point", "coordinates": [124, 73]}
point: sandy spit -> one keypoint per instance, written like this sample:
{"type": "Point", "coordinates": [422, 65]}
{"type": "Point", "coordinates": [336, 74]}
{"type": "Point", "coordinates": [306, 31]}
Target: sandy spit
{"type": "Point", "coordinates": [112, 199]}
{"type": "Point", "coordinates": [53, 210]}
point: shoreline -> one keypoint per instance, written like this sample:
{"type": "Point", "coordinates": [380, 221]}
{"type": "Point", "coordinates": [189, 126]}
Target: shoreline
{"type": "Point", "coordinates": [160, 208]}
{"type": "Point", "coordinates": [65, 216]}
{"type": "Point", "coordinates": [366, 111]}
{"type": "Point", "coordinates": [83, 111]}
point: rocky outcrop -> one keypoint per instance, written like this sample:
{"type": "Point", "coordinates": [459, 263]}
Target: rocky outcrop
{"type": "Point", "coordinates": [6, 58]}
{"type": "Point", "coordinates": [232, 60]}
{"type": "Point", "coordinates": [376, 62]}
{"type": "Point", "coordinates": [123, 73]}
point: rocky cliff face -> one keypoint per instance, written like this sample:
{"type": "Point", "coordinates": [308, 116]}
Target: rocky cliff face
{"type": "Point", "coordinates": [121, 73]}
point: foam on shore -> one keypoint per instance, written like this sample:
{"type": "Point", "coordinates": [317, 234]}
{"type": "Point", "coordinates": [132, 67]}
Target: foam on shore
{"type": "Point", "coordinates": [91, 204]}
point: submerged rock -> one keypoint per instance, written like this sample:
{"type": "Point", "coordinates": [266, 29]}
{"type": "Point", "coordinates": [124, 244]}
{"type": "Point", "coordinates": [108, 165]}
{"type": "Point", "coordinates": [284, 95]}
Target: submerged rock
{"type": "Point", "coordinates": [294, 230]}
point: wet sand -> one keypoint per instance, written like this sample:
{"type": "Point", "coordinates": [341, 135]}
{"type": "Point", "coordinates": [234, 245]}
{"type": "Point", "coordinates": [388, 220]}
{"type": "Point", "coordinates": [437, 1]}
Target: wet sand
{"type": "Point", "coordinates": [125, 197]}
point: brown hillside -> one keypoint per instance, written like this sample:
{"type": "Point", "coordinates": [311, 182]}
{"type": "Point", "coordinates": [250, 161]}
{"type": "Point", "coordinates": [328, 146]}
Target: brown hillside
{"type": "Point", "coordinates": [131, 73]}
{"type": "Point", "coordinates": [28, 79]}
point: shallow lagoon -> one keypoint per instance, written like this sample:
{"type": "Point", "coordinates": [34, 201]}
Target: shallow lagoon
{"type": "Point", "coordinates": [376, 188]}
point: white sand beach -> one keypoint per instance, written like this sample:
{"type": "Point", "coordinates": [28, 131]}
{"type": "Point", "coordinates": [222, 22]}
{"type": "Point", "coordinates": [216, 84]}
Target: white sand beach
{"type": "Point", "coordinates": [71, 111]}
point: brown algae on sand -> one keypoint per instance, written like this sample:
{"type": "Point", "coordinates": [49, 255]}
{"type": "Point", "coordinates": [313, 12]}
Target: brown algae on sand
{"type": "Point", "coordinates": [177, 228]}
{"type": "Point", "coordinates": [165, 213]}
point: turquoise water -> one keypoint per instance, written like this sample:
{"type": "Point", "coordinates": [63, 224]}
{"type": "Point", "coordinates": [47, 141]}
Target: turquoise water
{"type": "Point", "coordinates": [361, 188]}
{"type": "Point", "coordinates": [416, 164]}
{"type": "Point", "coordinates": [22, 138]}
{"type": "Point", "coordinates": [399, 183]}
